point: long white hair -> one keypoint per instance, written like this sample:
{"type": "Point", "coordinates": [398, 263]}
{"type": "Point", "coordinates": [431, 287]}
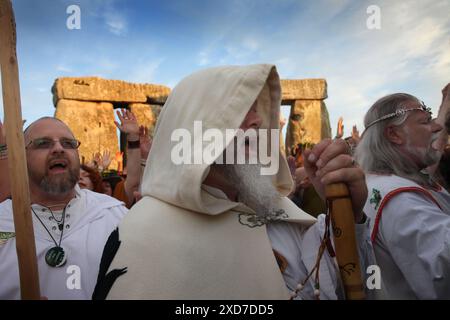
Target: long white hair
{"type": "Point", "coordinates": [375, 153]}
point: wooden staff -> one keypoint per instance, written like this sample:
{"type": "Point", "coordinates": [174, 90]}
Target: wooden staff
{"type": "Point", "coordinates": [343, 224]}
{"type": "Point", "coordinates": [18, 177]}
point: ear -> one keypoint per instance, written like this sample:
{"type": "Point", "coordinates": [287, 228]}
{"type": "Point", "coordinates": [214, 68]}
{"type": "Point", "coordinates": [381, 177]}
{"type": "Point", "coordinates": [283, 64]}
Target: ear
{"type": "Point", "coordinates": [394, 135]}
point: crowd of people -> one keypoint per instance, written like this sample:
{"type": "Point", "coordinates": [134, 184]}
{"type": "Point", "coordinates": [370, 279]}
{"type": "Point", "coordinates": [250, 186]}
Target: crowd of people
{"type": "Point", "coordinates": [224, 231]}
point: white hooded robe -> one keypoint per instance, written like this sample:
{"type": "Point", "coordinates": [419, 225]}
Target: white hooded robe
{"type": "Point", "coordinates": [184, 240]}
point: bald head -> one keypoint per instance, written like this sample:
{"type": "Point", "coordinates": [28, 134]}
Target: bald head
{"type": "Point", "coordinates": [42, 124]}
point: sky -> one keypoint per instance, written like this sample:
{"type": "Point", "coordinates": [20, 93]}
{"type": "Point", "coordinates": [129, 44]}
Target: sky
{"type": "Point", "coordinates": [161, 42]}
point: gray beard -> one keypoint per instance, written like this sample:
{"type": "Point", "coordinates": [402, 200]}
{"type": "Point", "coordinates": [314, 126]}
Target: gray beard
{"type": "Point", "coordinates": [59, 185]}
{"type": "Point", "coordinates": [255, 190]}
{"type": "Point", "coordinates": [432, 158]}
{"type": "Point", "coordinates": [428, 156]}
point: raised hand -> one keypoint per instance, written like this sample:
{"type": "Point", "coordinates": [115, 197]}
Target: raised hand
{"type": "Point", "coordinates": [128, 124]}
{"type": "Point", "coordinates": [292, 167]}
{"type": "Point", "coordinates": [97, 158]}
{"type": "Point", "coordinates": [119, 160]}
{"type": "Point", "coordinates": [443, 119]}
{"type": "Point", "coordinates": [145, 142]}
{"type": "Point", "coordinates": [94, 163]}
{"type": "Point", "coordinates": [340, 128]}
{"type": "Point", "coordinates": [355, 134]}
{"type": "Point", "coordinates": [2, 134]}
{"type": "Point", "coordinates": [105, 159]}
{"type": "Point", "coordinates": [446, 93]}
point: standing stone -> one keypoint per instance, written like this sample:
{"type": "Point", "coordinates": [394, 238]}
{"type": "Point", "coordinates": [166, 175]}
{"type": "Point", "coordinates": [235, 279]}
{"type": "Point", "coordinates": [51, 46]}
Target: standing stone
{"type": "Point", "coordinates": [308, 123]}
{"type": "Point", "coordinates": [83, 104]}
{"type": "Point", "coordinates": [146, 115]}
{"type": "Point", "coordinates": [93, 124]}
{"type": "Point", "coordinates": [310, 89]}
{"type": "Point", "coordinates": [98, 89]}
{"type": "Point", "coordinates": [309, 120]}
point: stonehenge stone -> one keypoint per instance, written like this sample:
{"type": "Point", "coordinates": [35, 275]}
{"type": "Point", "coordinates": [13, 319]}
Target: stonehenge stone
{"type": "Point", "coordinates": [98, 89]}
{"type": "Point", "coordinates": [86, 104]}
{"type": "Point", "coordinates": [92, 123]}
{"type": "Point", "coordinates": [309, 120]}
{"type": "Point", "coordinates": [305, 89]}
{"type": "Point", "coordinates": [146, 115]}
{"type": "Point", "coordinates": [308, 123]}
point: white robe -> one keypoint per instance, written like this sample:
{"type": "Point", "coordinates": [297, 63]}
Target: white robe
{"type": "Point", "coordinates": [90, 219]}
{"type": "Point", "coordinates": [412, 243]}
{"type": "Point", "coordinates": [185, 241]}
{"type": "Point", "coordinates": [299, 246]}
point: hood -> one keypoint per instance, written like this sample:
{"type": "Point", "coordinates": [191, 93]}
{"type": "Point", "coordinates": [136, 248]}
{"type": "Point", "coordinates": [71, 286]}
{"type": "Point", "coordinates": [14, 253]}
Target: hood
{"type": "Point", "coordinates": [220, 98]}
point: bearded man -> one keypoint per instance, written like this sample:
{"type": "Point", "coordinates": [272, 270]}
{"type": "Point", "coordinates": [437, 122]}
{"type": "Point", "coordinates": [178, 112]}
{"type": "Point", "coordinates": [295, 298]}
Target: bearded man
{"type": "Point", "coordinates": [214, 229]}
{"type": "Point", "coordinates": [71, 225]}
{"type": "Point", "coordinates": [409, 213]}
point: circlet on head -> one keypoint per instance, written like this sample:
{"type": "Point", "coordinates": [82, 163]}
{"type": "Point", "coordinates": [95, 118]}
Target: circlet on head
{"type": "Point", "coordinates": [401, 111]}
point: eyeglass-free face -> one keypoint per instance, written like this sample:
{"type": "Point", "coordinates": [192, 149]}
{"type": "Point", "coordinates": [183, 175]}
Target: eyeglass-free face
{"type": "Point", "coordinates": [416, 136]}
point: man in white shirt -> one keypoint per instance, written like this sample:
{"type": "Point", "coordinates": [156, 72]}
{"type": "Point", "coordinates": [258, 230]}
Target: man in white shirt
{"type": "Point", "coordinates": [409, 213]}
{"type": "Point", "coordinates": [71, 225]}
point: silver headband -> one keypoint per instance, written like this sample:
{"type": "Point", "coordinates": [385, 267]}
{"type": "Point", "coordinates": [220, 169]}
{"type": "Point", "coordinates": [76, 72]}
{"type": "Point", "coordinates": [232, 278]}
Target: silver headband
{"type": "Point", "coordinates": [400, 112]}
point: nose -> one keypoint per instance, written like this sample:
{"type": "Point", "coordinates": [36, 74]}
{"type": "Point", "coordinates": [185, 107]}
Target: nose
{"type": "Point", "coordinates": [436, 127]}
{"type": "Point", "coordinates": [57, 147]}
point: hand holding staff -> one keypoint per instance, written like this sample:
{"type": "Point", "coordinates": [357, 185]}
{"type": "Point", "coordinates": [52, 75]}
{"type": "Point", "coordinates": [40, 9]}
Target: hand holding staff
{"type": "Point", "coordinates": [335, 177]}
{"type": "Point", "coordinates": [26, 249]}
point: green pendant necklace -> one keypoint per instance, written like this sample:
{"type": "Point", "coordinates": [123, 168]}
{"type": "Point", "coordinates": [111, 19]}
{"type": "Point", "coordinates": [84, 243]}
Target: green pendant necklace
{"type": "Point", "coordinates": [55, 256]}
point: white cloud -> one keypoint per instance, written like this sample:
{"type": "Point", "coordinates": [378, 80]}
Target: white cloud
{"type": "Point", "coordinates": [115, 21]}
{"type": "Point", "coordinates": [410, 53]}
{"type": "Point", "coordinates": [106, 64]}
{"type": "Point", "coordinates": [229, 51]}
{"type": "Point", "coordinates": [323, 39]}
{"type": "Point", "coordinates": [144, 71]}
{"type": "Point", "coordinates": [63, 68]}
{"type": "Point", "coordinates": [329, 39]}
{"type": "Point", "coordinates": [203, 58]}
{"type": "Point", "coordinates": [42, 90]}
{"type": "Point", "coordinates": [250, 44]}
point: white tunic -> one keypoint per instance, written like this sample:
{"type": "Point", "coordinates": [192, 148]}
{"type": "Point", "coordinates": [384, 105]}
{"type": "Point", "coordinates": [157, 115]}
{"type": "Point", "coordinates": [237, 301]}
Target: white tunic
{"type": "Point", "coordinates": [299, 246]}
{"type": "Point", "coordinates": [411, 235]}
{"type": "Point", "coordinates": [90, 219]}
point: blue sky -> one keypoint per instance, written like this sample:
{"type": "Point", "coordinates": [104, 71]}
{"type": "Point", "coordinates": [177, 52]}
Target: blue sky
{"type": "Point", "coordinates": [163, 41]}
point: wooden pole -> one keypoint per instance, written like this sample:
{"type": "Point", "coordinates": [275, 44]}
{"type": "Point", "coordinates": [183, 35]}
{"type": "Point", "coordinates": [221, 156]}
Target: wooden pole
{"type": "Point", "coordinates": [343, 224]}
{"type": "Point", "coordinates": [23, 223]}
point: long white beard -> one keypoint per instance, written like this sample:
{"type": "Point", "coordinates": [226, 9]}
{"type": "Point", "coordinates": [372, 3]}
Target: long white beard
{"type": "Point", "coordinates": [255, 190]}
